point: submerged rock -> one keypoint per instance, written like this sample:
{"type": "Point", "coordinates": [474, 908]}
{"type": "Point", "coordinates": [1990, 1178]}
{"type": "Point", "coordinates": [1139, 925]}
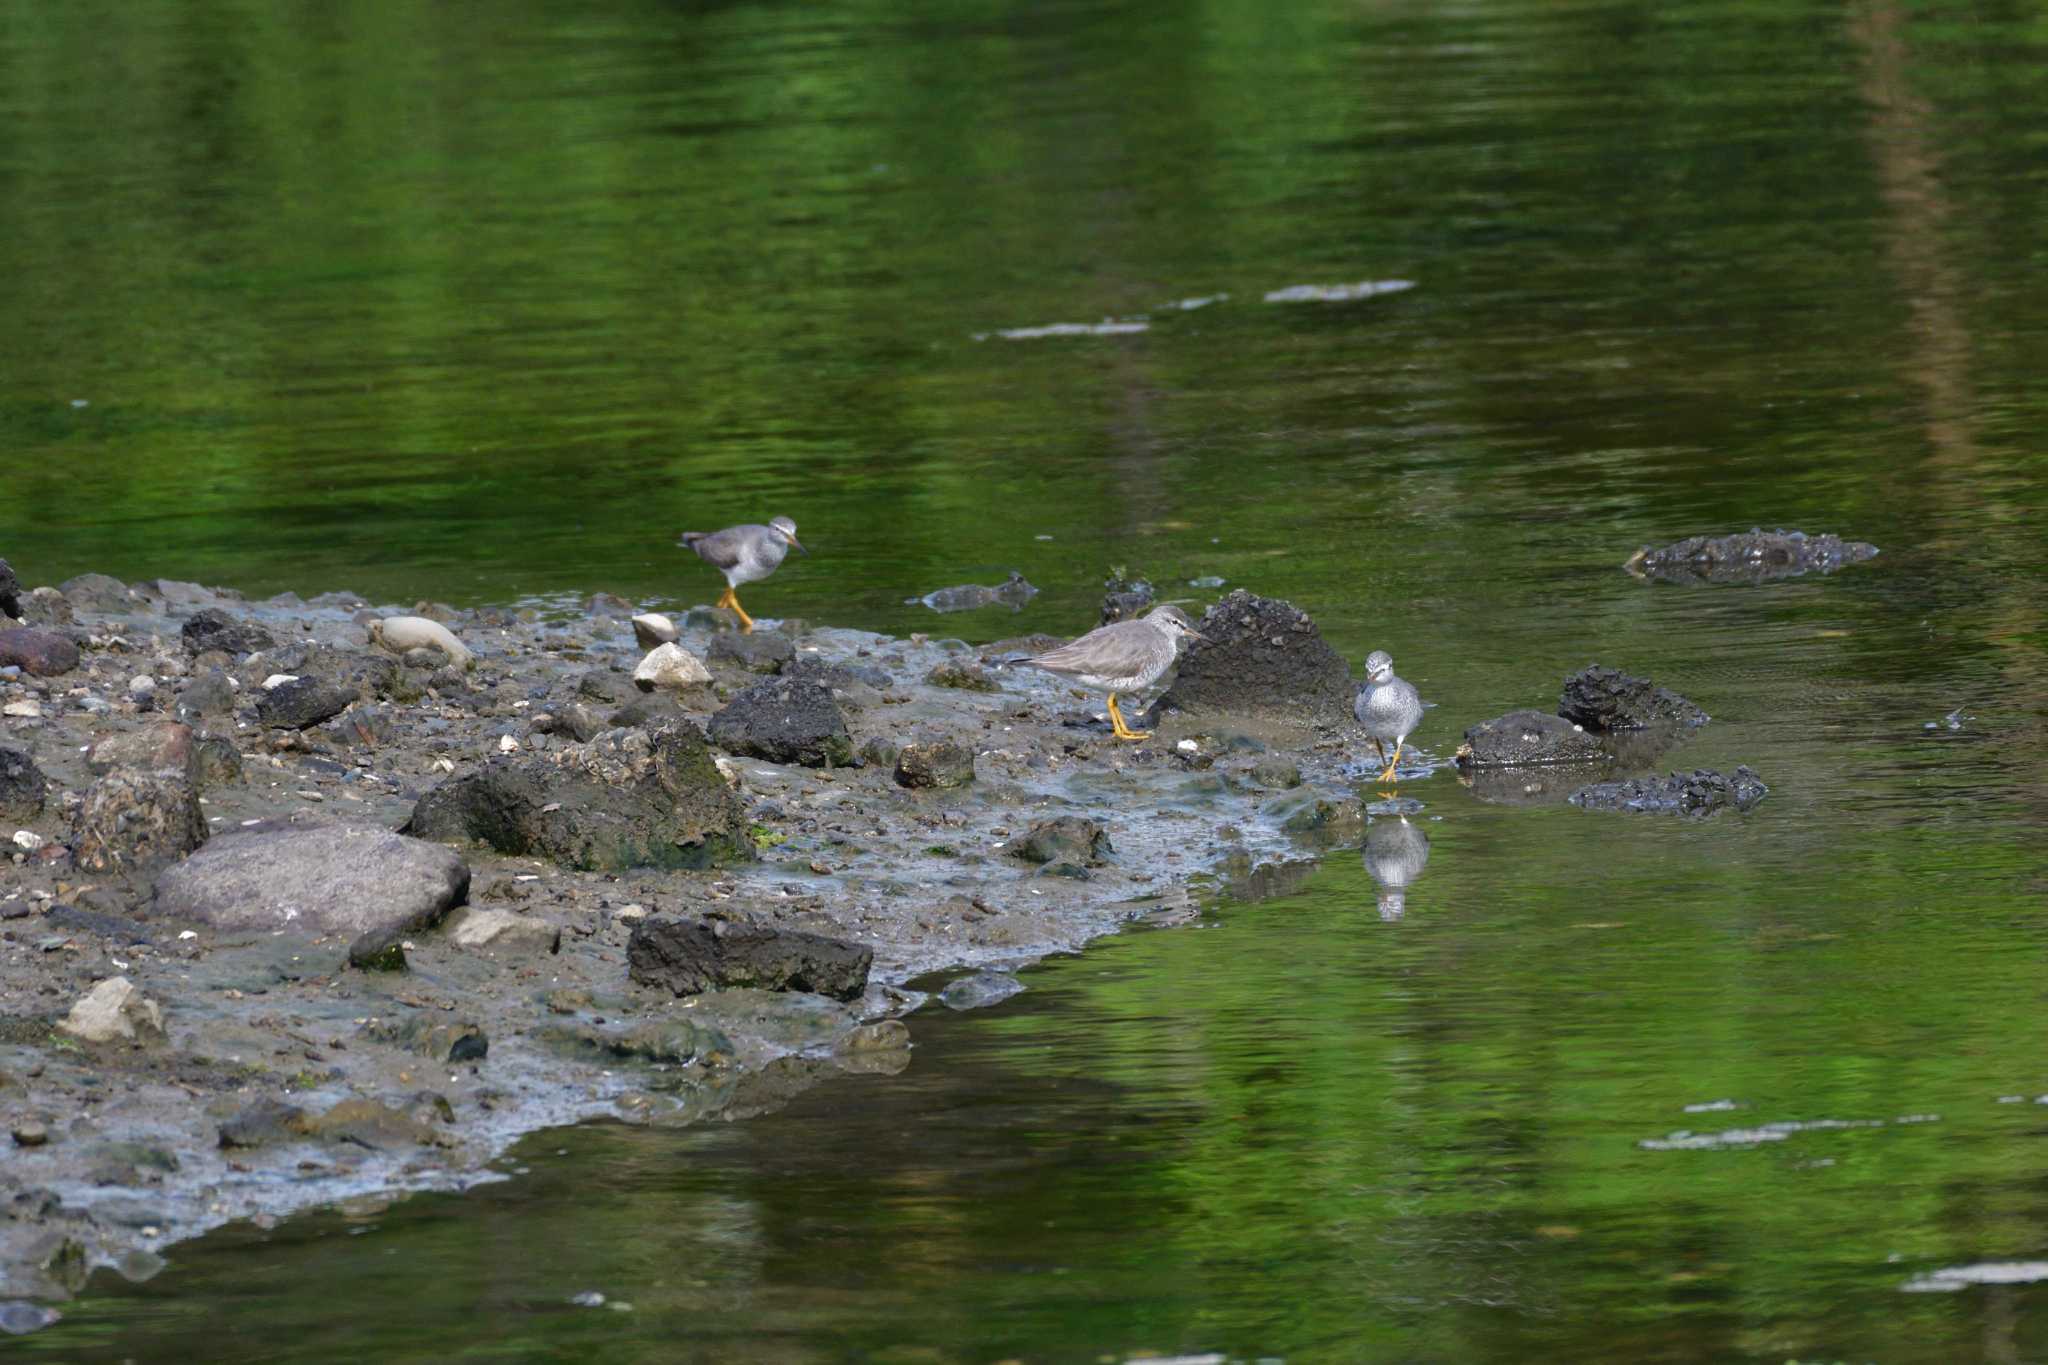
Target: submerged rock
{"type": "Point", "coordinates": [1067, 839]}
{"type": "Point", "coordinates": [1697, 793]}
{"type": "Point", "coordinates": [1748, 557]}
{"type": "Point", "coordinates": [629, 798]}
{"type": "Point", "coordinates": [264, 1122]}
{"type": "Point", "coordinates": [979, 990]}
{"type": "Point", "coordinates": [1261, 655]}
{"type": "Point", "coordinates": [1609, 699]}
{"type": "Point", "coordinates": [1524, 737]}
{"type": "Point", "coordinates": [38, 653]}
{"type": "Point", "coordinates": [214, 629]}
{"type": "Point", "coordinates": [942, 763]}
{"type": "Point", "coordinates": [23, 788]}
{"type": "Point", "coordinates": [314, 879]}
{"type": "Point", "coordinates": [1013, 593]}
{"type": "Point", "coordinates": [692, 956]}
{"type": "Point", "coordinates": [135, 822]}
{"type": "Point", "coordinates": [785, 721]}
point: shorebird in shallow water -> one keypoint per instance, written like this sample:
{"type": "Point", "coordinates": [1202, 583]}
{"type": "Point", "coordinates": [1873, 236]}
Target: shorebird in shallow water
{"type": "Point", "coordinates": [1123, 656]}
{"type": "Point", "coordinates": [1388, 708]}
{"type": "Point", "coordinates": [744, 554]}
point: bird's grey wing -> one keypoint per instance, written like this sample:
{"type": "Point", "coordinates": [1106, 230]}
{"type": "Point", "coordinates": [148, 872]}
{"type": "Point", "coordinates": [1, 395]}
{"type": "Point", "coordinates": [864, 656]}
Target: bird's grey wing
{"type": "Point", "coordinates": [1123, 650]}
{"type": "Point", "coordinates": [719, 549]}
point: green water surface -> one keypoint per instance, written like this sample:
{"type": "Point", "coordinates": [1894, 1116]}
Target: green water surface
{"type": "Point", "coordinates": [475, 302]}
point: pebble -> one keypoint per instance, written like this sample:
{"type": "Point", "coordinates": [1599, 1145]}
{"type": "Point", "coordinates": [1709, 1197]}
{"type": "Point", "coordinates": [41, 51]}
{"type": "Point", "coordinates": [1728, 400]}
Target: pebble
{"type": "Point", "coordinates": [29, 709]}
{"type": "Point", "coordinates": [28, 841]}
{"type": "Point", "coordinates": [29, 1133]}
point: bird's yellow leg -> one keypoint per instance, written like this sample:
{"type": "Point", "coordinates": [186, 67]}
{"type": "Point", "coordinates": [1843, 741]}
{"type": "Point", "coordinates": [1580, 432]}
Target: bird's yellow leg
{"type": "Point", "coordinates": [1119, 727]}
{"type": "Point", "coordinates": [746, 621]}
{"type": "Point", "coordinates": [1379, 748]}
{"type": "Point", "coordinates": [1389, 773]}
{"type": "Point", "coordinates": [724, 598]}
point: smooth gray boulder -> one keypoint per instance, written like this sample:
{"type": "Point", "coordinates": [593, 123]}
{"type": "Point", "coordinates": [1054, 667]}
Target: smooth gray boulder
{"type": "Point", "coordinates": [314, 879]}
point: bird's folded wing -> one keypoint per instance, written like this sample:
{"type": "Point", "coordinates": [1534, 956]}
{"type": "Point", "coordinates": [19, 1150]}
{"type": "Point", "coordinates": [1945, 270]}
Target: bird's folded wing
{"type": "Point", "coordinates": [1123, 650]}
{"type": "Point", "coordinates": [720, 549]}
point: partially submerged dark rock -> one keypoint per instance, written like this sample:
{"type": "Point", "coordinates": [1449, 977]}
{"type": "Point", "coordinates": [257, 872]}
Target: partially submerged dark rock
{"type": "Point", "coordinates": [1013, 593]}
{"type": "Point", "coordinates": [313, 880]}
{"type": "Point", "coordinates": [38, 653]}
{"type": "Point", "coordinates": [629, 798]}
{"type": "Point", "coordinates": [1697, 793]}
{"type": "Point", "coordinates": [1748, 557]}
{"type": "Point", "coordinates": [978, 990]}
{"type": "Point", "coordinates": [785, 721]}
{"type": "Point", "coordinates": [23, 788]}
{"type": "Point", "coordinates": [263, 1122]}
{"type": "Point", "coordinates": [939, 763]}
{"type": "Point", "coordinates": [1608, 699]}
{"type": "Point", "coordinates": [1125, 599]}
{"type": "Point", "coordinates": [435, 1038]}
{"type": "Point", "coordinates": [1523, 737]}
{"type": "Point", "coordinates": [135, 822]}
{"type": "Point", "coordinates": [214, 629]}
{"type": "Point", "coordinates": [689, 956]}
{"type": "Point", "coordinates": [1261, 655]}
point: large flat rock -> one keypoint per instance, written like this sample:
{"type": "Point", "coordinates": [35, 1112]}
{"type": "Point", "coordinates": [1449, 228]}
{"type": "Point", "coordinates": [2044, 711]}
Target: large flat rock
{"type": "Point", "coordinates": [314, 879]}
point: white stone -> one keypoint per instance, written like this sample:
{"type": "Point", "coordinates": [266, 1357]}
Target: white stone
{"type": "Point", "coordinates": [652, 628]}
{"type": "Point", "coordinates": [141, 686]}
{"type": "Point", "coordinates": [502, 931]}
{"type": "Point", "coordinates": [277, 680]}
{"type": "Point", "coordinates": [401, 633]}
{"type": "Point", "coordinates": [671, 668]}
{"type": "Point", "coordinates": [507, 744]}
{"type": "Point", "coordinates": [28, 841]}
{"type": "Point", "coordinates": [22, 710]}
{"type": "Point", "coordinates": [114, 1009]}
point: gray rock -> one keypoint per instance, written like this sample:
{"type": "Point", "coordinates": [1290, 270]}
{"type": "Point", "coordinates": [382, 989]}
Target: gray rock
{"type": "Point", "coordinates": [213, 629]}
{"type": "Point", "coordinates": [114, 1011]}
{"type": "Point", "coordinates": [23, 788]}
{"type": "Point", "coordinates": [363, 726]}
{"type": "Point", "coordinates": [689, 956]}
{"type": "Point", "coordinates": [433, 1037]}
{"type": "Point", "coordinates": [942, 763]}
{"type": "Point", "coordinates": [1752, 556]}
{"type": "Point", "coordinates": [580, 723]}
{"type": "Point", "coordinates": [785, 721]}
{"type": "Point", "coordinates": [629, 798]}
{"type": "Point", "coordinates": [39, 653]}
{"type": "Point", "coordinates": [371, 676]}
{"type": "Point", "coordinates": [1609, 699]}
{"type": "Point", "coordinates": [501, 932]}
{"type": "Point", "coordinates": [97, 592]}
{"type": "Point", "coordinates": [1263, 656]}
{"type": "Point", "coordinates": [1277, 772]}
{"type": "Point", "coordinates": [263, 1123]}
{"type": "Point", "coordinates": [1067, 839]}
{"type": "Point", "coordinates": [181, 597]}
{"type": "Point", "coordinates": [963, 677]}
{"type": "Point", "coordinates": [1697, 793]}
{"type": "Point", "coordinates": [1013, 593]}
{"type": "Point", "coordinates": [836, 675]}
{"type": "Point", "coordinates": [302, 703]}
{"type": "Point", "coordinates": [657, 712]}
{"type": "Point", "coordinates": [45, 607]}
{"type": "Point", "coordinates": [1320, 818]}
{"type": "Point", "coordinates": [979, 990]}
{"type": "Point", "coordinates": [119, 928]}
{"type": "Point", "coordinates": [1522, 737]}
{"type": "Point", "coordinates": [215, 762]}
{"type": "Point", "coordinates": [163, 746]}
{"type": "Point", "coordinates": [605, 686]}
{"type": "Point", "coordinates": [18, 1317]}
{"type": "Point", "coordinates": [1125, 599]}
{"type": "Point", "coordinates": [761, 652]}
{"type": "Point", "coordinates": [133, 822]}
{"type": "Point", "coordinates": [368, 1123]}
{"type": "Point", "coordinates": [313, 880]}
{"type": "Point", "coordinates": [608, 604]}
{"type": "Point", "coordinates": [652, 628]}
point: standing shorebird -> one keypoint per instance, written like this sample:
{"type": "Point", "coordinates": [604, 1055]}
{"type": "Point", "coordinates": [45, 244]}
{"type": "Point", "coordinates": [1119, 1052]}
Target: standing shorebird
{"type": "Point", "coordinates": [1123, 656]}
{"type": "Point", "coordinates": [744, 554]}
{"type": "Point", "coordinates": [1388, 708]}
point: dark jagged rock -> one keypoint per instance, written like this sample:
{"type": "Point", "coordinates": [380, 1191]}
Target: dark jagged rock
{"type": "Point", "coordinates": [961, 677]}
{"type": "Point", "coordinates": [1747, 557]}
{"type": "Point", "coordinates": [1013, 593]}
{"type": "Point", "coordinates": [1524, 737]}
{"type": "Point", "coordinates": [214, 629]}
{"type": "Point", "coordinates": [370, 676]}
{"type": "Point", "coordinates": [10, 590]}
{"type": "Point", "coordinates": [1609, 699]}
{"type": "Point", "coordinates": [133, 822]}
{"type": "Point", "coordinates": [1697, 793]}
{"type": "Point", "coordinates": [379, 950]}
{"type": "Point", "coordinates": [785, 721]}
{"type": "Point", "coordinates": [761, 652]}
{"type": "Point", "coordinates": [1261, 655]}
{"type": "Point", "coordinates": [689, 957]}
{"type": "Point", "coordinates": [39, 653]}
{"type": "Point", "coordinates": [1067, 839]}
{"type": "Point", "coordinates": [629, 798]}
{"type": "Point", "coordinates": [940, 763]}
{"type": "Point", "coordinates": [312, 880]}
{"type": "Point", "coordinates": [23, 788]}
{"type": "Point", "coordinates": [1125, 599]}
{"type": "Point", "coordinates": [303, 702]}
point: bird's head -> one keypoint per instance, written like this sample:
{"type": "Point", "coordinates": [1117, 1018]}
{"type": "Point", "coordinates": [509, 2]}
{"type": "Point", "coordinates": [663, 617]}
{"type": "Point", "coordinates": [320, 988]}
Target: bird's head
{"type": "Point", "coordinates": [784, 527]}
{"type": "Point", "coordinates": [1379, 666]}
{"type": "Point", "coordinates": [1174, 622]}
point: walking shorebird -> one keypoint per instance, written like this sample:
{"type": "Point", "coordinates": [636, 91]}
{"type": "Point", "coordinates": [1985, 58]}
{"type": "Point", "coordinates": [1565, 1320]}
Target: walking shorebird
{"type": "Point", "coordinates": [1388, 708]}
{"type": "Point", "coordinates": [744, 554]}
{"type": "Point", "coordinates": [1123, 656]}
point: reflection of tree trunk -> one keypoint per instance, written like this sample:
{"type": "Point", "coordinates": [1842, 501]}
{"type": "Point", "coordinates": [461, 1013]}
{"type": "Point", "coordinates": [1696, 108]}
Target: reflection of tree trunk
{"type": "Point", "coordinates": [1907, 165]}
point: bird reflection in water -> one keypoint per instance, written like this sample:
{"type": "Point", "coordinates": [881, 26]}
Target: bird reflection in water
{"type": "Point", "coordinates": [1395, 854]}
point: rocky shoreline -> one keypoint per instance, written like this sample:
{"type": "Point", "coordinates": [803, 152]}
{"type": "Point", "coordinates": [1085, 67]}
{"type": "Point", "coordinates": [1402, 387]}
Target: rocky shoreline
{"type": "Point", "coordinates": [235, 989]}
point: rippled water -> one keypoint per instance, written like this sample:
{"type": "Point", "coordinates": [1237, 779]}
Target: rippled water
{"type": "Point", "coordinates": [472, 303]}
